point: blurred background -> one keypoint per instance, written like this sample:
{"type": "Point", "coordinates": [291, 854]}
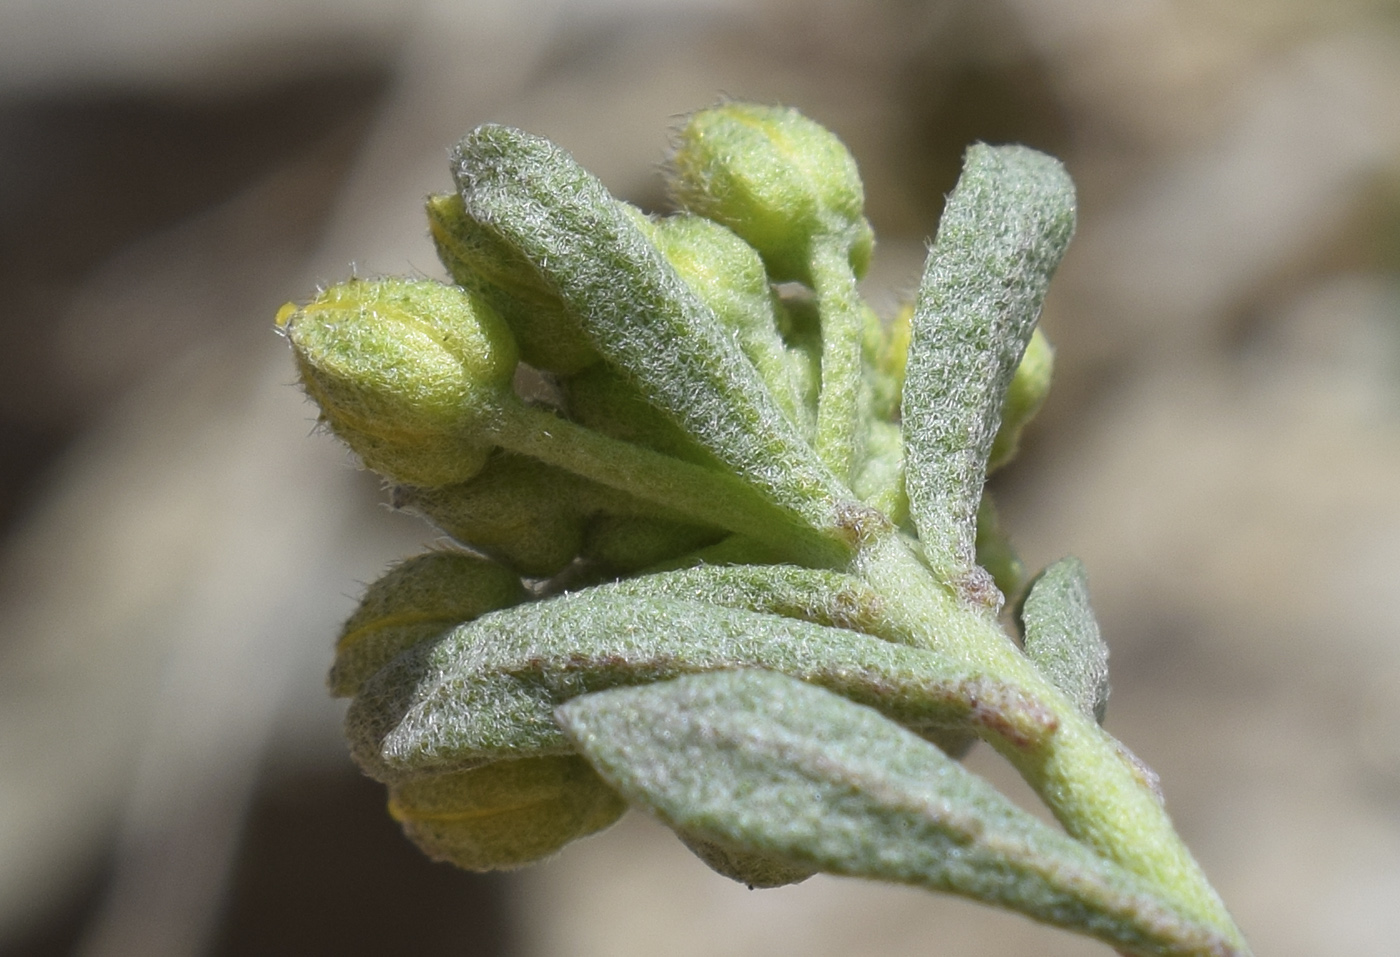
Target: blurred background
{"type": "Point", "coordinates": [177, 548]}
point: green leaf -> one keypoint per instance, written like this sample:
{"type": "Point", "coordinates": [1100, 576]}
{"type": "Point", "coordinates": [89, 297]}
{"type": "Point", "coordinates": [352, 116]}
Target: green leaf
{"type": "Point", "coordinates": [488, 690]}
{"type": "Point", "coordinates": [758, 762]}
{"type": "Point", "coordinates": [728, 276]}
{"type": "Point", "coordinates": [1003, 232]}
{"type": "Point", "coordinates": [548, 337]}
{"type": "Point", "coordinates": [821, 597]}
{"type": "Point", "coordinates": [747, 867]}
{"type": "Point", "coordinates": [518, 510]}
{"type": "Point", "coordinates": [1062, 636]}
{"type": "Point", "coordinates": [628, 543]}
{"type": "Point", "coordinates": [643, 318]}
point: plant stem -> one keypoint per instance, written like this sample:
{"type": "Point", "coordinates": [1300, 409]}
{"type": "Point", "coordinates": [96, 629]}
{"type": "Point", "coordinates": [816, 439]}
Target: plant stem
{"type": "Point", "coordinates": [1079, 771]}
{"type": "Point", "coordinates": [838, 304]}
{"type": "Point", "coordinates": [705, 495]}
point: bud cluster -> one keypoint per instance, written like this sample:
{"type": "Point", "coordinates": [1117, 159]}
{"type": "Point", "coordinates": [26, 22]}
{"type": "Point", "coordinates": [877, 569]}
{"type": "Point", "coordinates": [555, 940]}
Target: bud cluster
{"type": "Point", "coordinates": [418, 378]}
{"type": "Point", "coordinates": [722, 545]}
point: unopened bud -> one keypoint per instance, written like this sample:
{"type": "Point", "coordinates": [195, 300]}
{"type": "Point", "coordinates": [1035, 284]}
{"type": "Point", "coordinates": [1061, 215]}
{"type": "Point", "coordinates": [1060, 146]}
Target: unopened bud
{"type": "Point", "coordinates": [777, 179]}
{"type": "Point", "coordinates": [1024, 397]}
{"type": "Point", "coordinates": [403, 371]}
{"type": "Point", "coordinates": [626, 543]}
{"type": "Point", "coordinates": [416, 601]}
{"type": "Point", "coordinates": [518, 510]}
{"type": "Point", "coordinates": [506, 814]}
{"type": "Point", "coordinates": [477, 259]}
{"type": "Point", "coordinates": [728, 276]}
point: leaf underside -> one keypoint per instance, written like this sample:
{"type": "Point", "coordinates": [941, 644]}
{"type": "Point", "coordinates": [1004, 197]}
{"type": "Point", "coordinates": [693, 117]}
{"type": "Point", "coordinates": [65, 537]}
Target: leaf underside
{"type": "Point", "coordinates": [761, 762]}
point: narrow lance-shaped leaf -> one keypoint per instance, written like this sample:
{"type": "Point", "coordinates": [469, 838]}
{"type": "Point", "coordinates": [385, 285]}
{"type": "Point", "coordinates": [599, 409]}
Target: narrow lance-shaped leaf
{"type": "Point", "coordinates": [641, 316]}
{"type": "Point", "coordinates": [1002, 234]}
{"type": "Point", "coordinates": [487, 690]}
{"type": "Point", "coordinates": [759, 762]}
{"type": "Point", "coordinates": [1062, 636]}
{"type": "Point", "coordinates": [814, 595]}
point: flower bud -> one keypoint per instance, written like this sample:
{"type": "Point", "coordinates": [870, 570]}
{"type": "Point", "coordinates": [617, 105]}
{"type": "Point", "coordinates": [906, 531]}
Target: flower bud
{"type": "Point", "coordinates": [887, 355]}
{"type": "Point", "coordinates": [518, 510]}
{"type": "Point", "coordinates": [506, 814]}
{"type": "Point", "coordinates": [1024, 397]}
{"type": "Point", "coordinates": [477, 259]}
{"type": "Point", "coordinates": [416, 601]}
{"type": "Point", "coordinates": [728, 276]}
{"type": "Point", "coordinates": [995, 552]}
{"type": "Point", "coordinates": [777, 179]}
{"type": "Point", "coordinates": [627, 543]}
{"type": "Point", "coordinates": [403, 370]}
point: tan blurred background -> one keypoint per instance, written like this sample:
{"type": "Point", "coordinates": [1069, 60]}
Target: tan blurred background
{"type": "Point", "coordinates": [177, 547]}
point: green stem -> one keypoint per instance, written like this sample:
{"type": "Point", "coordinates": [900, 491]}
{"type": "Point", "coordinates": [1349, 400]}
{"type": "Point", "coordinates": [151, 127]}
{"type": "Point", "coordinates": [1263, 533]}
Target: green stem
{"type": "Point", "coordinates": [705, 495]}
{"type": "Point", "coordinates": [1079, 771]}
{"type": "Point", "coordinates": [839, 306]}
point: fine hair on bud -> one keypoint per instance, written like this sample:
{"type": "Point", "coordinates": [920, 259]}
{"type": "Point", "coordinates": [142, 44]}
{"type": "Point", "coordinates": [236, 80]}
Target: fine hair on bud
{"type": "Point", "coordinates": [403, 369]}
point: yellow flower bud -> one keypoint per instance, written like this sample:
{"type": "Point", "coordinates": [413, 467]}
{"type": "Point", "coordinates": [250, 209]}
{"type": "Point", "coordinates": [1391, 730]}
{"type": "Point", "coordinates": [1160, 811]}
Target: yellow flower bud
{"type": "Point", "coordinates": [777, 179]}
{"type": "Point", "coordinates": [506, 814]}
{"type": "Point", "coordinates": [1024, 397]}
{"type": "Point", "coordinates": [404, 370]}
{"type": "Point", "coordinates": [416, 601]}
{"type": "Point", "coordinates": [549, 337]}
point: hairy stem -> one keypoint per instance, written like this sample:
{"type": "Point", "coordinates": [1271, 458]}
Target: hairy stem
{"type": "Point", "coordinates": [838, 406]}
{"type": "Point", "coordinates": [708, 496]}
{"type": "Point", "coordinates": [1079, 771]}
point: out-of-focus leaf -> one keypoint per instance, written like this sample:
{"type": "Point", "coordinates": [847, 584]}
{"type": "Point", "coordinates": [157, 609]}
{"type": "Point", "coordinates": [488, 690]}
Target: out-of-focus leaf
{"type": "Point", "coordinates": [758, 762]}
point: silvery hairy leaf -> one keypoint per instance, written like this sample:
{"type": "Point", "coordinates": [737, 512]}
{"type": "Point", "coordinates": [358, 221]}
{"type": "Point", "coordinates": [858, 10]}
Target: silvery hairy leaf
{"type": "Point", "coordinates": [762, 763]}
{"type": "Point", "coordinates": [1002, 234]}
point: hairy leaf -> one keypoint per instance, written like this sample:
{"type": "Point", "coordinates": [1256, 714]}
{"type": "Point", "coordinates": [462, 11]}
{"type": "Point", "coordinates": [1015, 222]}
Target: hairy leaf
{"type": "Point", "coordinates": [1062, 636]}
{"type": "Point", "coordinates": [1003, 232]}
{"type": "Point", "coordinates": [487, 690]}
{"type": "Point", "coordinates": [641, 315]}
{"type": "Point", "coordinates": [415, 601]}
{"type": "Point", "coordinates": [758, 762]}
